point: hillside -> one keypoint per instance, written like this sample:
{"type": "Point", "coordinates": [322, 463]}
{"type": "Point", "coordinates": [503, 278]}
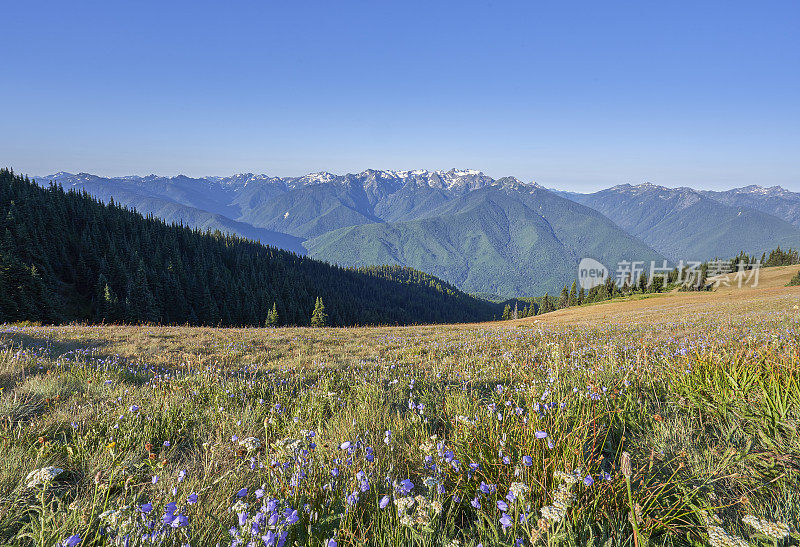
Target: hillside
{"type": "Point", "coordinates": [510, 239]}
{"type": "Point", "coordinates": [697, 308]}
{"type": "Point", "coordinates": [66, 257]}
{"type": "Point", "coordinates": [527, 240]}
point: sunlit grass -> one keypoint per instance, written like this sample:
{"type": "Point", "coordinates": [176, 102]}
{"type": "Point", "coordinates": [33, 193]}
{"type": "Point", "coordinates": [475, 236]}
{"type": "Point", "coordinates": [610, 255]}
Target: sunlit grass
{"type": "Point", "coordinates": [327, 430]}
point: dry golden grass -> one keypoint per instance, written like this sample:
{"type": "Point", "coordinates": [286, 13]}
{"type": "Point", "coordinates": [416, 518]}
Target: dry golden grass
{"type": "Point", "coordinates": [771, 294]}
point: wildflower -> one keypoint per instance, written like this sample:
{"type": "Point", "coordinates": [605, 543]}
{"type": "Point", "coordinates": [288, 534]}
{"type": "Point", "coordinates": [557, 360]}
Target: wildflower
{"type": "Point", "coordinates": [404, 504]}
{"type": "Point", "coordinates": [241, 493]}
{"type": "Point", "coordinates": [146, 508]}
{"type": "Point", "coordinates": [775, 530]}
{"type": "Point", "coordinates": [406, 486]}
{"type": "Point", "coordinates": [551, 514]}
{"type": "Point", "coordinates": [527, 460]}
{"type": "Point", "coordinates": [384, 502]}
{"type": "Point", "coordinates": [503, 506]}
{"type": "Point", "coordinates": [192, 499]}
{"type": "Point", "coordinates": [134, 408]}
{"type": "Point", "coordinates": [42, 476]}
{"type": "Point", "coordinates": [251, 444]}
{"type": "Point", "coordinates": [718, 537]}
{"type": "Point", "coordinates": [517, 489]}
{"type": "Point", "coordinates": [588, 481]}
{"type": "Point", "coordinates": [569, 478]}
{"type": "Point", "coordinates": [71, 541]}
{"type": "Point", "coordinates": [505, 521]}
{"type": "Point", "coordinates": [540, 434]}
{"type": "Point", "coordinates": [345, 445]}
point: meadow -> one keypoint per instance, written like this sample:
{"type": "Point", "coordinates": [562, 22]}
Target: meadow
{"type": "Point", "coordinates": [663, 421]}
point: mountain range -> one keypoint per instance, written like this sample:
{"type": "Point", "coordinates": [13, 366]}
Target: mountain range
{"type": "Point", "coordinates": [686, 224]}
{"type": "Point", "coordinates": [494, 236]}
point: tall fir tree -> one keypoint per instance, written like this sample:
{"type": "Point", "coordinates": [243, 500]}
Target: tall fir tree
{"type": "Point", "coordinates": [573, 295]}
{"type": "Point", "coordinates": [272, 317]}
{"type": "Point", "coordinates": [319, 317]}
{"type": "Point", "coordinates": [547, 304]}
{"type": "Point", "coordinates": [563, 300]}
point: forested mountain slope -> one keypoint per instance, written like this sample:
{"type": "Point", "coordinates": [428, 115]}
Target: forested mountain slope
{"type": "Point", "coordinates": [64, 256]}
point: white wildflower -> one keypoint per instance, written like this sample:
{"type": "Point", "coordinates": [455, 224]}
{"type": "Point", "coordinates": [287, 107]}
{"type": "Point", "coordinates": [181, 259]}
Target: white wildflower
{"type": "Point", "coordinates": [251, 444]}
{"type": "Point", "coordinates": [551, 513]}
{"type": "Point", "coordinates": [718, 537]}
{"type": "Point", "coordinates": [404, 504]}
{"type": "Point", "coordinates": [287, 444]}
{"type": "Point", "coordinates": [518, 489]}
{"type": "Point", "coordinates": [42, 476]}
{"type": "Point", "coordinates": [775, 530]}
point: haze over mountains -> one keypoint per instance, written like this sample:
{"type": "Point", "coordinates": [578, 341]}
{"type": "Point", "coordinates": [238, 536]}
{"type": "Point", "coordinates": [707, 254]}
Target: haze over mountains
{"type": "Point", "coordinates": [502, 236]}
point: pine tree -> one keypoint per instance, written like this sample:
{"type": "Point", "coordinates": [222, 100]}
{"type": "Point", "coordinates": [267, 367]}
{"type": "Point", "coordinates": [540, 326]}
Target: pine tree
{"type": "Point", "coordinates": [581, 296]}
{"type": "Point", "coordinates": [573, 295]}
{"type": "Point", "coordinates": [272, 316]}
{"type": "Point", "coordinates": [563, 300]}
{"type": "Point", "coordinates": [547, 304]}
{"type": "Point", "coordinates": [318, 317]}
{"type": "Point", "coordinates": [506, 313]}
{"type": "Point", "coordinates": [643, 282]}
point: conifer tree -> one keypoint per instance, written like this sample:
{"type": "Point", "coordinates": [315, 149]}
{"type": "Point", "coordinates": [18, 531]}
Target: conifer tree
{"type": "Point", "coordinates": [547, 304]}
{"type": "Point", "coordinates": [272, 316]}
{"type": "Point", "coordinates": [573, 295]}
{"type": "Point", "coordinates": [318, 317]}
{"type": "Point", "coordinates": [563, 300]}
{"type": "Point", "coordinates": [506, 312]}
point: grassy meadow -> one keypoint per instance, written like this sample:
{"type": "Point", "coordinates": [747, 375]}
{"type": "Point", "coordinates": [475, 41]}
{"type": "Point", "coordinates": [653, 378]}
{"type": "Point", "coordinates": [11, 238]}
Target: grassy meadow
{"type": "Point", "coordinates": [661, 421]}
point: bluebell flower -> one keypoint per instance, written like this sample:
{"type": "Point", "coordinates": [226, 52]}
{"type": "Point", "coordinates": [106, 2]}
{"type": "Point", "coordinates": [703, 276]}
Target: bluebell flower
{"type": "Point", "coordinates": [406, 486]}
{"type": "Point", "coordinates": [71, 541]}
{"type": "Point", "coordinates": [505, 521]}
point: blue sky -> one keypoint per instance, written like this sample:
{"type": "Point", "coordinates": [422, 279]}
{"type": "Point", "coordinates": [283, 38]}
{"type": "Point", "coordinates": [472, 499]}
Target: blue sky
{"type": "Point", "coordinates": [571, 95]}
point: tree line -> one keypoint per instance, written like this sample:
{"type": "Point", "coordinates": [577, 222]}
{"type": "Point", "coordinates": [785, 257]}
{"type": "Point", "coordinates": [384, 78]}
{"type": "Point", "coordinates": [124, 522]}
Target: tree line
{"type": "Point", "coordinates": [65, 256]}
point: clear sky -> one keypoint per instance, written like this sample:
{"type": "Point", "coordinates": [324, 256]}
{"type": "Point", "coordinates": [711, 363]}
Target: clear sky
{"type": "Point", "coordinates": [571, 95]}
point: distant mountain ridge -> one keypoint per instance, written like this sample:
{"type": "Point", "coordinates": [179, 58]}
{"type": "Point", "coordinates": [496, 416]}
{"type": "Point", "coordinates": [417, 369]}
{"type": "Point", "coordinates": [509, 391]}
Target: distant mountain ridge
{"type": "Point", "coordinates": [687, 224]}
{"type": "Point", "coordinates": [500, 236]}
{"type": "Point", "coordinates": [773, 200]}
